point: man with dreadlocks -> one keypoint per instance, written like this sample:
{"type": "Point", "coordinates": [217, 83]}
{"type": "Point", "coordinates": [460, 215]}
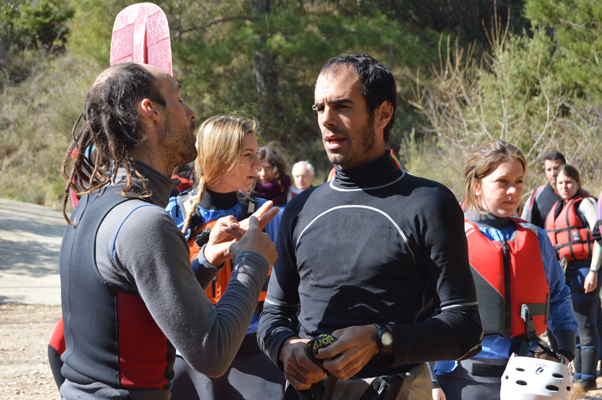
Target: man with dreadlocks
{"type": "Point", "coordinates": [128, 293]}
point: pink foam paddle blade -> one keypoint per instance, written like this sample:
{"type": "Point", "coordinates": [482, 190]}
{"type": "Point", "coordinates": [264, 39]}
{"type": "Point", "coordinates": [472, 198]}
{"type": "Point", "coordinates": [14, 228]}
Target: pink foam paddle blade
{"type": "Point", "coordinates": [141, 35]}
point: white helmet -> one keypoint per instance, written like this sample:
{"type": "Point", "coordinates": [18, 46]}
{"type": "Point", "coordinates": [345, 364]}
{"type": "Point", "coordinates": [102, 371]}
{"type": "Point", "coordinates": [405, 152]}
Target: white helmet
{"type": "Point", "coordinates": [527, 378]}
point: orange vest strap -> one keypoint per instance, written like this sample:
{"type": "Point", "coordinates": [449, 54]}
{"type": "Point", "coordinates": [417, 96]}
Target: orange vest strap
{"type": "Point", "coordinates": [220, 282]}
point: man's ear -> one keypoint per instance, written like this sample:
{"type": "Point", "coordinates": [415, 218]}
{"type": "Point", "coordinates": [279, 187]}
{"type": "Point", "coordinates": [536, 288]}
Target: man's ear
{"type": "Point", "coordinates": [383, 114]}
{"type": "Point", "coordinates": [150, 111]}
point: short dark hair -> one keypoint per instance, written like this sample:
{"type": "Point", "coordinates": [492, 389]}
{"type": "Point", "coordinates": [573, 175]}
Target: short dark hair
{"type": "Point", "coordinates": [556, 156]}
{"type": "Point", "coordinates": [109, 125]}
{"type": "Point", "coordinates": [378, 83]}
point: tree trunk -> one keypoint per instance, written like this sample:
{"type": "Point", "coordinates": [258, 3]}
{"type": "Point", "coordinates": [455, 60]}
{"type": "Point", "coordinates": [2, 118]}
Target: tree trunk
{"type": "Point", "coordinates": [266, 78]}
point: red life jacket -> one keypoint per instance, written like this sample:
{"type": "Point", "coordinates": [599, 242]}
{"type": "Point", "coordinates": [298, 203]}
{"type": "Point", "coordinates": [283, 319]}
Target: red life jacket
{"type": "Point", "coordinates": [508, 275]}
{"type": "Point", "coordinates": [571, 237]}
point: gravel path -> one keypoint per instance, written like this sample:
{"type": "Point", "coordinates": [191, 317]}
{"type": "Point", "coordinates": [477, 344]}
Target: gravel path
{"type": "Point", "coordinates": [24, 334]}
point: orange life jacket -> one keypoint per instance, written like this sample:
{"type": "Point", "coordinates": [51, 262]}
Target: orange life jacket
{"type": "Point", "coordinates": [218, 286]}
{"type": "Point", "coordinates": [508, 275]}
{"type": "Point", "coordinates": [571, 237]}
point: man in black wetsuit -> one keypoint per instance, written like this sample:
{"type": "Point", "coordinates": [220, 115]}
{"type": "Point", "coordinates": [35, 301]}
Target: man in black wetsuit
{"type": "Point", "coordinates": [542, 199]}
{"type": "Point", "coordinates": [369, 256]}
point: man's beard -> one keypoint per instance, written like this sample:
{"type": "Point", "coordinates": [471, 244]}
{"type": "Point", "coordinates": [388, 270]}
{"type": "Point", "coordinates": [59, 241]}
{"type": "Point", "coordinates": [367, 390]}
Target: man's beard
{"type": "Point", "coordinates": [178, 141]}
{"type": "Point", "coordinates": [367, 141]}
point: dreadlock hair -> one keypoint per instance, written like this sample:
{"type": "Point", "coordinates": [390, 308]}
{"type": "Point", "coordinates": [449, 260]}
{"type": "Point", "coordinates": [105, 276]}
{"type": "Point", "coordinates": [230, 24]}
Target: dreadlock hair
{"type": "Point", "coordinates": [219, 143]}
{"type": "Point", "coordinates": [109, 125]}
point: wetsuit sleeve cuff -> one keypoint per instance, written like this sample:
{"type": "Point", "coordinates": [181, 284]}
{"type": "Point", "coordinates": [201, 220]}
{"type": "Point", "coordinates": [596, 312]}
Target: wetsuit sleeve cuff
{"type": "Point", "coordinates": [203, 271]}
{"type": "Point", "coordinates": [566, 339]}
{"type": "Point", "coordinates": [202, 260]}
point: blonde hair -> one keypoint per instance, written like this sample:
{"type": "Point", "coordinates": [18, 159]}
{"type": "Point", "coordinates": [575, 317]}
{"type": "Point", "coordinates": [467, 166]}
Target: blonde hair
{"type": "Point", "coordinates": [482, 162]}
{"type": "Point", "coordinates": [220, 146]}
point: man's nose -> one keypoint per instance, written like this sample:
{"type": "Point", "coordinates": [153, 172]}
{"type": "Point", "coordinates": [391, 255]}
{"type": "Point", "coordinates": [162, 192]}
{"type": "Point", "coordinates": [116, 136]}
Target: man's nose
{"type": "Point", "coordinates": [328, 117]}
{"type": "Point", "coordinates": [191, 115]}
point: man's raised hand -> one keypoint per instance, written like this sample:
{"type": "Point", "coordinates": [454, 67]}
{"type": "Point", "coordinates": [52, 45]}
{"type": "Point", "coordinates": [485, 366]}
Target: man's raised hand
{"type": "Point", "coordinates": [255, 240]}
{"type": "Point", "coordinates": [228, 230]}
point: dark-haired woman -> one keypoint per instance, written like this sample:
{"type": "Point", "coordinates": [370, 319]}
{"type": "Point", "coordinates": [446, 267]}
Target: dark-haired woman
{"type": "Point", "coordinates": [513, 264]}
{"type": "Point", "coordinates": [272, 181]}
{"type": "Point", "coordinates": [569, 225]}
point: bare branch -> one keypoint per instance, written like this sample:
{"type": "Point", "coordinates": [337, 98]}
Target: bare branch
{"type": "Point", "coordinates": [577, 26]}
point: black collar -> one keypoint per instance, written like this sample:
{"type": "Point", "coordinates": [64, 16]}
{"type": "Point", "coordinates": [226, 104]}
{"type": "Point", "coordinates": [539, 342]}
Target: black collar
{"type": "Point", "coordinates": [371, 175]}
{"type": "Point", "coordinates": [218, 201]}
{"type": "Point", "coordinates": [488, 220]}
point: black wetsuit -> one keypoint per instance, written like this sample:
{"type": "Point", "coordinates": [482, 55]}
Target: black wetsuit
{"type": "Point", "coordinates": [375, 245]}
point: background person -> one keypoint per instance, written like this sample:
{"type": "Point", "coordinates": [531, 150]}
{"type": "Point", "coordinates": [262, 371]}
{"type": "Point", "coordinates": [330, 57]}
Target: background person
{"type": "Point", "coordinates": [569, 225]}
{"type": "Point", "coordinates": [185, 173]}
{"type": "Point", "coordinates": [542, 199]}
{"type": "Point", "coordinates": [127, 291]}
{"type": "Point", "coordinates": [494, 177]}
{"type": "Point", "coordinates": [369, 256]}
{"type": "Point", "coordinates": [226, 163]}
{"type": "Point", "coordinates": [597, 236]}
{"type": "Point", "coordinates": [272, 181]}
{"type": "Point", "coordinates": [303, 175]}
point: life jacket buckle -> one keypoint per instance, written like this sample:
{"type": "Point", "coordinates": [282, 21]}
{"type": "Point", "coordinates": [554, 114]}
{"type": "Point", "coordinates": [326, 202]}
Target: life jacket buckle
{"type": "Point", "coordinates": [526, 316]}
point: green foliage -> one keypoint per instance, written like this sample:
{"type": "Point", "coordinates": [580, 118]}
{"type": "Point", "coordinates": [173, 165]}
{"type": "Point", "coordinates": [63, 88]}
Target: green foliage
{"type": "Point", "coordinates": [513, 96]}
{"type": "Point", "coordinates": [44, 21]}
{"type": "Point", "coordinates": [36, 118]}
{"type": "Point", "coordinates": [523, 88]}
{"type": "Point", "coordinates": [576, 26]}
{"type": "Point", "coordinates": [29, 32]}
{"type": "Point", "coordinates": [92, 27]}
{"type": "Point", "coordinates": [218, 70]}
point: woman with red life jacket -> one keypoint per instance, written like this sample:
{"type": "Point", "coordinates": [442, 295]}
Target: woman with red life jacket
{"type": "Point", "coordinates": [226, 169]}
{"type": "Point", "coordinates": [569, 225]}
{"type": "Point", "coordinates": [514, 268]}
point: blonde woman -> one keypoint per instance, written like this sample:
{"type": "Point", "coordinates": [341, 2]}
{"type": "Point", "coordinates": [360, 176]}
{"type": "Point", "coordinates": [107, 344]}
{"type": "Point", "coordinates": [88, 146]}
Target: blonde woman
{"type": "Point", "coordinates": [226, 168]}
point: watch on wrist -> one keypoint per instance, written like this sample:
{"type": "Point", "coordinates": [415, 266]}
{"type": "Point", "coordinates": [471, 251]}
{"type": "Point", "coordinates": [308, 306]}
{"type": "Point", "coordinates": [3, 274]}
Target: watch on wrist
{"type": "Point", "coordinates": [384, 338]}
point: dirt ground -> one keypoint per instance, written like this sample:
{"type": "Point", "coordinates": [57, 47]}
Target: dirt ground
{"type": "Point", "coordinates": [24, 334]}
{"type": "Point", "coordinates": [24, 371]}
